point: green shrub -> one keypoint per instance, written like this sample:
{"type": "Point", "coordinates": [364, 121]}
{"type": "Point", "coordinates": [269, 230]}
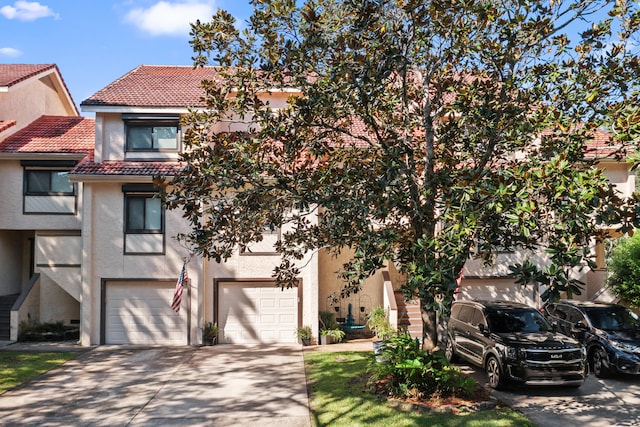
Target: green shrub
{"type": "Point", "coordinates": [406, 371]}
{"type": "Point", "coordinates": [336, 334]}
{"type": "Point", "coordinates": [43, 327]}
{"type": "Point", "coordinates": [327, 320]}
{"type": "Point", "coordinates": [624, 270]}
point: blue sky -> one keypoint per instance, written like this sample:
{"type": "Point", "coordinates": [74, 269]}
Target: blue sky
{"type": "Point", "coordinates": [94, 42]}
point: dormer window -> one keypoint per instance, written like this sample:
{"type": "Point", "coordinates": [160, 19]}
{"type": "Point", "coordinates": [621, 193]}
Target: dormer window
{"type": "Point", "coordinates": [149, 133]}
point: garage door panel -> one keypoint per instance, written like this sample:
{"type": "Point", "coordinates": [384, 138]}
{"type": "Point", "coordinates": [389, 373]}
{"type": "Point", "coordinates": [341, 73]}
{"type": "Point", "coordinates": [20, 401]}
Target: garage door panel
{"type": "Point", "coordinates": [257, 313]}
{"type": "Point", "coordinates": [140, 313]}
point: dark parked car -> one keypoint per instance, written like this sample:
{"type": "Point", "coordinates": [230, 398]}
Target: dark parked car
{"type": "Point", "coordinates": [610, 332]}
{"type": "Point", "coordinates": [513, 343]}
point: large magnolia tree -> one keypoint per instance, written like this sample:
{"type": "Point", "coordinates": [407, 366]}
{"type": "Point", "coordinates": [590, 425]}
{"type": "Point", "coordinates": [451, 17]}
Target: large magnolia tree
{"type": "Point", "coordinates": [420, 132]}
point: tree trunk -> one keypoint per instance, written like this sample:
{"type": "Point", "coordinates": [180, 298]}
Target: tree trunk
{"type": "Point", "coordinates": [429, 330]}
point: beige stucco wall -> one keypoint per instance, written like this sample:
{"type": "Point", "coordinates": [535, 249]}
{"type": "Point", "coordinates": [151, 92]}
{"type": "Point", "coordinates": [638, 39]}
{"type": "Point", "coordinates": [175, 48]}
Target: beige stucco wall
{"type": "Point", "coordinates": [11, 244]}
{"type": "Point", "coordinates": [104, 258]}
{"type": "Point", "coordinates": [619, 175]}
{"type": "Point", "coordinates": [11, 216]}
{"type": "Point", "coordinates": [56, 305]}
{"type": "Point", "coordinates": [244, 266]}
{"type": "Point", "coordinates": [28, 100]}
{"type": "Point", "coordinates": [330, 285]}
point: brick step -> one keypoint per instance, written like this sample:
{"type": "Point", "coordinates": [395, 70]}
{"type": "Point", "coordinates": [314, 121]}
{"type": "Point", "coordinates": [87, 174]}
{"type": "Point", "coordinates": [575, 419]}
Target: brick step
{"type": "Point", "coordinates": [409, 316]}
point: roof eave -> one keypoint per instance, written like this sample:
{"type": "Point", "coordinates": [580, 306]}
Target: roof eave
{"type": "Point", "coordinates": [88, 108]}
{"type": "Point", "coordinates": [58, 82]}
{"type": "Point", "coordinates": [22, 155]}
{"type": "Point", "coordinates": [112, 178]}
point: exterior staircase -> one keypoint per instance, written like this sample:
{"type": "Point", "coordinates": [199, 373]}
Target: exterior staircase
{"type": "Point", "coordinates": [6, 302]}
{"type": "Point", "coordinates": [409, 317]}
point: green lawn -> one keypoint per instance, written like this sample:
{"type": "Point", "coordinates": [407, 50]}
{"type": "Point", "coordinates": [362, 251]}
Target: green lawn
{"type": "Point", "coordinates": [17, 367]}
{"type": "Point", "coordinates": [338, 397]}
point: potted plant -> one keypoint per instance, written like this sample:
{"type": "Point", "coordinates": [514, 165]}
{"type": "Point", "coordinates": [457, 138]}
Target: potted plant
{"type": "Point", "coordinates": [329, 330]}
{"type": "Point", "coordinates": [379, 324]}
{"type": "Point", "coordinates": [329, 336]}
{"type": "Point", "coordinates": [209, 333]}
{"type": "Point", "coordinates": [304, 334]}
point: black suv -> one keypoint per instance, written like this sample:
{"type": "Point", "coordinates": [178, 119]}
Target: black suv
{"type": "Point", "coordinates": [610, 332]}
{"type": "Point", "coordinates": [513, 343]}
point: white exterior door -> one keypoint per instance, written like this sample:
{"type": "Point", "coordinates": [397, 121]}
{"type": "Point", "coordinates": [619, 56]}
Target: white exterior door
{"type": "Point", "coordinates": [250, 313]}
{"type": "Point", "coordinates": [140, 313]}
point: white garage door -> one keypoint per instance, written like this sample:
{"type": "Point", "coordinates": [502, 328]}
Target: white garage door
{"type": "Point", "coordinates": [257, 313]}
{"type": "Point", "coordinates": [140, 313]}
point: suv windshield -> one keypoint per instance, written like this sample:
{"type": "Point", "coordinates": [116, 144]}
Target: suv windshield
{"type": "Point", "coordinates": [517, 320]}
{"type": "Point", "coordinates": [613, 319]}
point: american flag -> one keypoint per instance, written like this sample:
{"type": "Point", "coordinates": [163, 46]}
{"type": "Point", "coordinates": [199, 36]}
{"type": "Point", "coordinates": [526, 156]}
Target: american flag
{"type": "Point", "coordinates": [177, 295]}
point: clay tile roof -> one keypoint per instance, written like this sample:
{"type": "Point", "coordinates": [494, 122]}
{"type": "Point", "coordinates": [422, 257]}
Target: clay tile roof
{"type": "Point", "coordinates": [6, 124]}
{"type": "Point", "coordinates": [125, 168]}
{"type": "Point", "coordinates": [11, 74]}
{"type": "Point", "coordinates": [602, 146]}
{"type": "Point", "coordinates": [53, 134]}
{"type": "Point", "coordinates": [155, 86]}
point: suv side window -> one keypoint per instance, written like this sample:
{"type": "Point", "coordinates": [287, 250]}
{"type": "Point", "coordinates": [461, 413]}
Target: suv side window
{"type": "Point", "coordinates": [574, 315]}
{"type": "Point", "coordinates": [478, 318]}
{"type": "Point", "coordinates": [466, 314]}
{"type": "Point", "coordinates": [455, 311]}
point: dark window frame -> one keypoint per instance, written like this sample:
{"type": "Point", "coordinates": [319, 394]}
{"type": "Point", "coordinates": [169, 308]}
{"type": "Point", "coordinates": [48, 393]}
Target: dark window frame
{"type": "Point", "coordinates": [133, 121]}
{"type": "Point", "coordinates": [133, 195]}
{"type": "Point", "coordinates": [50, 171]}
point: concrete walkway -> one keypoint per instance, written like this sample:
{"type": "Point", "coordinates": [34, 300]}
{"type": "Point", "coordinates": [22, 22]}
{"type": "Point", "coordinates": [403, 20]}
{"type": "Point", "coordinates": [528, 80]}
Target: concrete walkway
{"type": "Point", "coordinates": [224, 385]}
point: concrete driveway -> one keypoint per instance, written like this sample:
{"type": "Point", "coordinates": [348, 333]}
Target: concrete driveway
{"type": "Point", "coordinates": [223, 385]}
{"type": "Point", "coordinates": [597, 403]}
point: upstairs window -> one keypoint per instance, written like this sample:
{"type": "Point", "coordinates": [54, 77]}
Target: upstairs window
{"type": "Point", "coordinates": [149, 133]}
{"type": "Point", "coordinates": [48, 182]}
{"type": "Point", "coordinates": [47, 189]}
{"type": "Point", "coordinates": [144, 220]}
{"type": "Point", "coordinates": [143, 213]}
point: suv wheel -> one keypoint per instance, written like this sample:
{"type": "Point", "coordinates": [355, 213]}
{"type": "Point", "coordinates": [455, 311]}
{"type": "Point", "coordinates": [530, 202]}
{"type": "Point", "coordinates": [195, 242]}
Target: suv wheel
{"type": "Point", "coordinates": [449, 352]}
{"type": "Point", "coordinates": [599, 362]}
{"type": "Point", "coordinates": [494, 373]}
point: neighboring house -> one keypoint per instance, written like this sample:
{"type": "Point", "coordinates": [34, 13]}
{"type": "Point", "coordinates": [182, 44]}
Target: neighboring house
{"type": "Point", "coordinates": [493, 282]}
{"type": "Point", "coordinates": [101, 249]}
{"type": "Point", "coordinates": [28, 91]}
{"type": "Point", "coordinates": [42, 138]}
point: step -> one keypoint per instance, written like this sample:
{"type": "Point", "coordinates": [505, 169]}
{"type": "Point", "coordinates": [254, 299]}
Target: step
{"type": "Point", "coordinates": [6, 303]}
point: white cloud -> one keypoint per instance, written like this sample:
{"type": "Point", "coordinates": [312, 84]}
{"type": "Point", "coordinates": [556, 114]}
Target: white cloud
{"type": "Point", "coordinates": [9, 51]}
{"type": "Point", "coordinates": [27, 11]}
{"type": "Point", "coordinates": [170, 18]}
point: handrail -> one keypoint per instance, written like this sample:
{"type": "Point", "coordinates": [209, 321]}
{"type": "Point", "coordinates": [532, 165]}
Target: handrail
{"type": "Point", "coordinates": [25, 292]}
{"type": "Point", "coordinates": [17, 313]}
{"type": "Point", "coordinates": [389, 299]}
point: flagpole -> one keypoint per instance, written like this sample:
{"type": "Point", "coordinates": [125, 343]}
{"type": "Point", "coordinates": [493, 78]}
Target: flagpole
{"type": "Point", "coordinates": [189, 311]}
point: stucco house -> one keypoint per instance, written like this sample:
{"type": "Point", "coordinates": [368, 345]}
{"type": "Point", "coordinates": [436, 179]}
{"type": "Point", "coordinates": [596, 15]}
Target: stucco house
{"type": "Point", "coordinates": [42, 137]}
{"type": "Point", "coordinates": [119, 262]}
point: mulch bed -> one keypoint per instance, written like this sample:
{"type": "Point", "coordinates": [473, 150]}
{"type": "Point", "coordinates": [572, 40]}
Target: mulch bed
{"type": "Point", "coordinates": [479, 400]}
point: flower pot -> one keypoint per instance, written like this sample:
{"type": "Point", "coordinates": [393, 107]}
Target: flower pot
{"type": "Point", "coordinates": [306, 341]}
{"type": "Point", "coordinates": [209, 341]}
{"type": "Point", "coordinates": [325, 339]}
{"type": "Point", "coordinates": [377, 350]}
{"type": "Point", "coordinates": [377, 347]}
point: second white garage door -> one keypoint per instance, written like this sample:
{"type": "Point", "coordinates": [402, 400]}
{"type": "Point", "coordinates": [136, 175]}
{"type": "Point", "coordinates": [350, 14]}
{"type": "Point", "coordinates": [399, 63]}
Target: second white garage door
{"type": "Point", "coordinates": [140, 313]}
{"type": "Point", "coordinates": [257, 313]}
